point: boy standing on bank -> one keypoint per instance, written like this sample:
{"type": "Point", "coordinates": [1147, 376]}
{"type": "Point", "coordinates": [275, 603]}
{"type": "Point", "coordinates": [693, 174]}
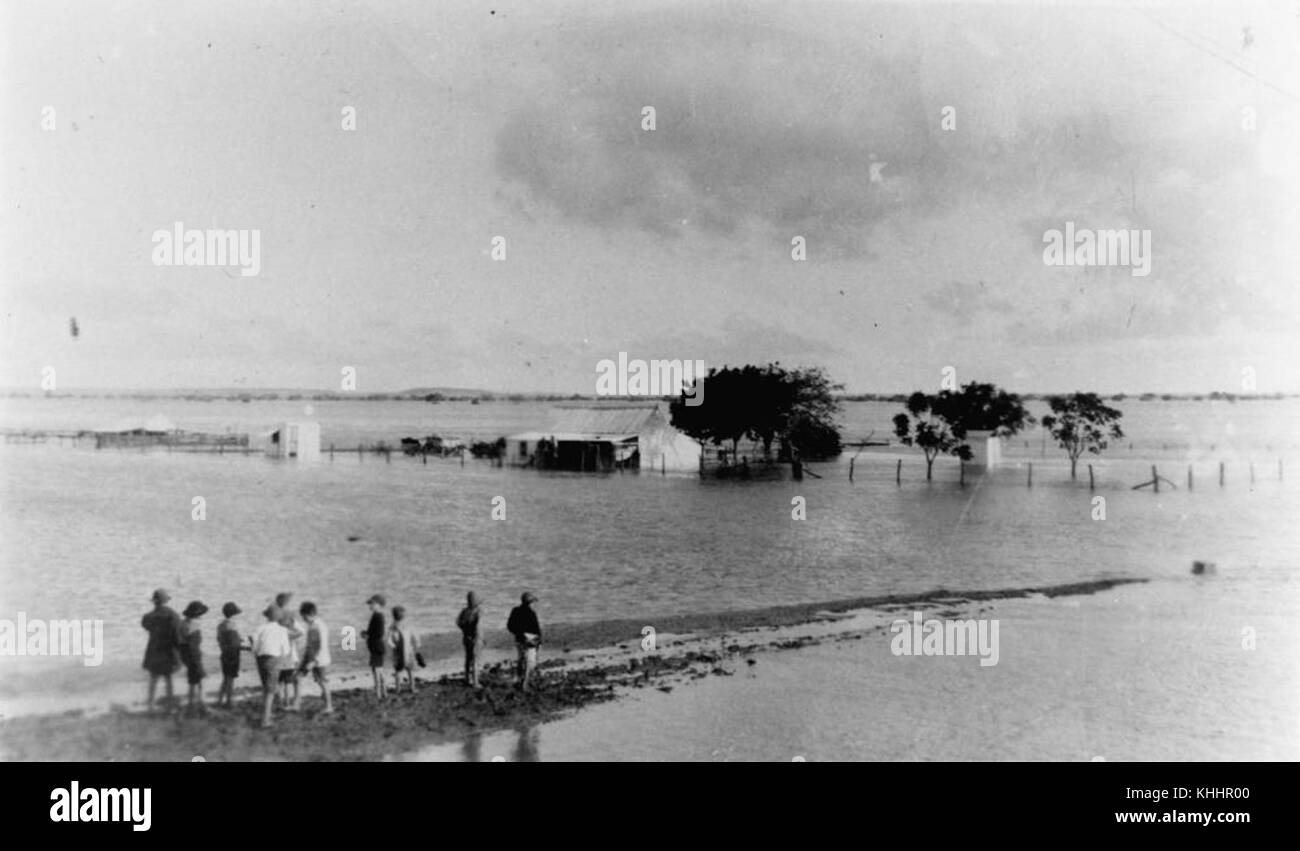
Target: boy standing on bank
{"type": "Point", "coordinates": [470, 638]}
{"type": "Point", "coordinates": [376, 635]}
{"type": "Point", "coordinates": [316, 653]}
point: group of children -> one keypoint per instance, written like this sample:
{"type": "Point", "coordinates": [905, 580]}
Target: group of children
{"type": "Point", "coordinates": [288, 645]}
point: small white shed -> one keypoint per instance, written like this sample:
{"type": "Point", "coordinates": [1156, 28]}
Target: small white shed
{"type": "Point", "coordinates": [986, 449]}
{"type": "Point", "coordinates": [298, 440]}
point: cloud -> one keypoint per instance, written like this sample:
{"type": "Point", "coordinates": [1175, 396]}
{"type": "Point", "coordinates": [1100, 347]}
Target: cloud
{"type": "Point", "coordinates": [965, 300]}
{"type": "Point", "coordinates": [753, 126]}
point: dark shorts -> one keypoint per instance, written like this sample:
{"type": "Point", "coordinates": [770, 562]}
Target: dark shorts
{"type": "Point", "coordinates": [399, 664]}
{"type": "Point", "coordinates": [321, 673]}
{"type": "Point", "coordinates": [288, 675]}
{"type": "Point", "coordinates": [376, 659]}
{"type": "Point", "coordinates": [268, 668]}
{"type": "Point", "coordinates": [230, 667]}
{"type": "Point", "coordinates": [194, 674]}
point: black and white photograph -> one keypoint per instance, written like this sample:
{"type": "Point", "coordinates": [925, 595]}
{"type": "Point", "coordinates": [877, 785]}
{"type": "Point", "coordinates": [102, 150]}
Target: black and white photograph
{"type": "Point", "coordinates": [652, 381]}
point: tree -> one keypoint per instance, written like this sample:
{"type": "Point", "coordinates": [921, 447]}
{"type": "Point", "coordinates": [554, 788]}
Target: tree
{"type": "Point", "coordinates": [983, 407]}
{"type": "Point", "coordinates": [929, 431]}
{"type": "Point", "coordinates": [765, 404]}
{"type": "Point", "coordinates": [939, 422]}
{"type": "Point", "coordinates": [1081, 422]}
{"type": "Point", "coordinates": [724, 415]}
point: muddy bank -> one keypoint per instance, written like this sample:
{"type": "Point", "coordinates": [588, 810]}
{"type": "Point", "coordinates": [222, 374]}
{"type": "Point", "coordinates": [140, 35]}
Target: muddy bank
{"type": "Point", "coordinates": [360, 728]}
{"type": "Point", "coordinates": [446, 710]}
{"type": "Point", "coordinates": [569, 637]}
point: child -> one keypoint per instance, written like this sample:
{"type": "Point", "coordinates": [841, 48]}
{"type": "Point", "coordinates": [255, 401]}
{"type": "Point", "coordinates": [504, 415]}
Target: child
{"type": "Point", "coordinates": [469, 635]}
{"type": "Point", "coordinates": [270, 645]}
{"type": "Point", "coordinates": [404, 643]}
{"type": "Point", "coordinates": [290, 698]}
{"type": "Point", "coordinates": [316, 654]}
{"type": "Point", "coordinates": [231, 644]}
{"type": "Point", "coordinates": [375, 635]}
{"type": "Point", "coordinates": [192, 654]}
{"type": "Point", "coordinates": [161, 654]}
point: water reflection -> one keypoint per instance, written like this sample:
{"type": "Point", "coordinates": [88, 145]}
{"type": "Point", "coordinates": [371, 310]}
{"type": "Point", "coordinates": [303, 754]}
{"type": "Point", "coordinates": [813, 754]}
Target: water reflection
{"type": "Point", "coordinates": [472, 749]}
{"type": "Point", "coordinates": [522, 744]}
{"type": "Point", "coordinates": [528, 745]}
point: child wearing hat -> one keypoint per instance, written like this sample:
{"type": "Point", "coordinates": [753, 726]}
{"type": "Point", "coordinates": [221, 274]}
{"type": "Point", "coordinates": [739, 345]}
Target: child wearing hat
{"type": "Point", "coordinates": [375, 635]}
{"type": "Point", "coordinates": [231, 644]}
{"type": "Point", "coordinates": [162, 653]}
{"type": "Point", "coordinates": [402, 639]}
{"type": "Point", "coordinates": [192, 653]}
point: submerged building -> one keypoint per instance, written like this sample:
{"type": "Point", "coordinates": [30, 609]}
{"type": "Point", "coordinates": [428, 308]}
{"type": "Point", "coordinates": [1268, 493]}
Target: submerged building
{"type": "Point", "coordinates": [299, 440]}
{"type": "Point", "coordinates": [605, 436]}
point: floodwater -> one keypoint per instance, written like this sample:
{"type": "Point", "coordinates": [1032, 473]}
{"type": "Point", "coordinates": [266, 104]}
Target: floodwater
{"type": "Point", "coordinates": [88, 534]}
{"type": "Point", "coordinates": [1159, 671]}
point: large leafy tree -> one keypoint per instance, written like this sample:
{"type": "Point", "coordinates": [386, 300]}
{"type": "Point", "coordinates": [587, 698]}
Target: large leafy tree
{"type": "Point", "coordinates": [796, 407]}
{"type": "Point", "coordinates": [937, 423]}
{"type": "Point", "coordinates": [1081, 422]}
{"type": "Point", "coordinates": [984, 407]}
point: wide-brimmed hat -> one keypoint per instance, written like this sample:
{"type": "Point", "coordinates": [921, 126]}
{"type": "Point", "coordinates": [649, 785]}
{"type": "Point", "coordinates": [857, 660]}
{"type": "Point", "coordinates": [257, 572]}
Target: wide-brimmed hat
{"type": "Point", "coordinates": [529, 597]}
{"type": "Point", "coordinates": [195, 609]}
{"type": "Point", "coordinates": [271, 612]}
{"type": "Point", "coordinates": [230, 610]}
{"type": "Point", "coordinates": [377, 598]}
{"type": "Point", "coordinates": [160, 595]}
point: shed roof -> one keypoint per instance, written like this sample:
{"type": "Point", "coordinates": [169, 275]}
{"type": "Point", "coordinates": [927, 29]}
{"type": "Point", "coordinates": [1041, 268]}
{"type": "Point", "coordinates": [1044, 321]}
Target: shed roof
{"type": "Point", "coordinates": [607, 420]}
{"type": "Point", "coordinates": [572, 437]}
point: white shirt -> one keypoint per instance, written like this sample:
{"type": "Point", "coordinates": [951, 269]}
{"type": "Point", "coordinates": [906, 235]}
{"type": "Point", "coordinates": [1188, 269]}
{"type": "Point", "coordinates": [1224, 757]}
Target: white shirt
{"type": "Point", "coordinates": [271, 639]}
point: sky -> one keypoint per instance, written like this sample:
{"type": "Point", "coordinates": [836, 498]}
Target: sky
{"type": "Point", "coordinates": [924, 237]}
